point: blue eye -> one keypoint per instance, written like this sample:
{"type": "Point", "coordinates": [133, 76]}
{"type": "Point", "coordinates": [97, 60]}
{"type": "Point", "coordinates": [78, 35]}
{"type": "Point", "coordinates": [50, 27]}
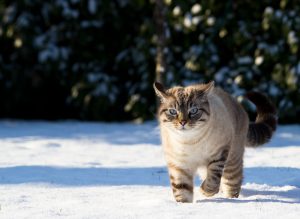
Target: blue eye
{"type": "Point", "coordinates": [193, 111]}
{"type": "Point", "coordinates": [173, 112]}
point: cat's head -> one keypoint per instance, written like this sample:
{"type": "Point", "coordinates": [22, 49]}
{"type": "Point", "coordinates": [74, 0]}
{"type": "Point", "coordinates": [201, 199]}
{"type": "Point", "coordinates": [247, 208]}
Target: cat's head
{"type": "Point", "coordinates": [184, 108]}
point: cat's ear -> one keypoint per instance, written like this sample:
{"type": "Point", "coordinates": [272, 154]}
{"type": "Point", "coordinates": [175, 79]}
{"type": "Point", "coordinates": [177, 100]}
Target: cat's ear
{"type": "Point", "coordinates": [209, 87]}
{"type": "Point", "coordinates": [205, 89]}
{"type": "Point", "coordinates": [160, 91]}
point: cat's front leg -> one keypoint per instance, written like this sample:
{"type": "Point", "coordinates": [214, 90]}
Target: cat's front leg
{"type": "Point", "coordinates": [211, 184]}
{"type": "Point", "coordinates": [233, 176]}
{"type": "Point", "coordinates": [181, 183]}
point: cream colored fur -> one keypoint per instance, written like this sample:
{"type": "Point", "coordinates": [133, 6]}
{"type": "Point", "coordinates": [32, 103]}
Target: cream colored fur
{"type": "Point", "coordinates": [192, 149]}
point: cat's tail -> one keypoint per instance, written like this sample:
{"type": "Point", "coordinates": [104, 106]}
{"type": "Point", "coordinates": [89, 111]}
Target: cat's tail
{"type": "Point", "coordinates": [262, 129]}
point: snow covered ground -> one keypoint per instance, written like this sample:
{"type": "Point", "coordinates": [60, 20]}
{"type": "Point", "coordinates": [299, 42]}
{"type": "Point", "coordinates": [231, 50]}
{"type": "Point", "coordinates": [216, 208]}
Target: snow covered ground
{"type": "Point", "coordinates": [97, 170]}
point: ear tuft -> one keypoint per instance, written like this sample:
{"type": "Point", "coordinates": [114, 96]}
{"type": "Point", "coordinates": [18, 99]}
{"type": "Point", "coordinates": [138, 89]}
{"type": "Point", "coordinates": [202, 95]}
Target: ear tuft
{"type": "Point", "coordinates": [160, 90]}
{"type": "Point", "coordinates": [158, 86]}
{"type": "Point", "coordinates": [209, 87]}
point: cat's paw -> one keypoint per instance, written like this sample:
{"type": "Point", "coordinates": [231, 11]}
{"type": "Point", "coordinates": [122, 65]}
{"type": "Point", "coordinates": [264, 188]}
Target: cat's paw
{"type": "Point", "coordinates": [207, 191]}
{"type": "Point", "coordinates": [184, 197]}
{"type": "Point", "coordinates": [183, 200]}
{"type": "Point", "coordinates": [232, 194]}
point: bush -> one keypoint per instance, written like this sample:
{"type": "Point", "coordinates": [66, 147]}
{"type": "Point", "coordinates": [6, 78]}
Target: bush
{"type": "Point", "coordinates": [242, 45]}
{"type": "Point", "coordinates": [94, 60]}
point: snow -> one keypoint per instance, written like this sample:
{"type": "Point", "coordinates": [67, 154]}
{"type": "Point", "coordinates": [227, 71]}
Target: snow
{"type": "Point", "coordinates": [68, 12]}
{"type": "Point", "coordinates": [292, 38]}
{"type": "Point", "coordinates": [97, 170]}
{"type": "Point", "coordinates": [196, 8]}
{"type": "Point", "coordinates": [187, 21]}
{"type": "Point", "coordinates": [269, 10]}
{"type": "Point", "coordinates": [176, 11]}
{"type": "Point", "coordinates": [92, 6]}
{"type": "Point", "coordinates": [245, 60]}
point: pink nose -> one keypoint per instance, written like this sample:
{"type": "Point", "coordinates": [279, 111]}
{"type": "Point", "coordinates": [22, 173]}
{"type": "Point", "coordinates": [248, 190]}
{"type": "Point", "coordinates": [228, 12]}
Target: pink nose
{"type": "Point", "coordinates": [182, 122]}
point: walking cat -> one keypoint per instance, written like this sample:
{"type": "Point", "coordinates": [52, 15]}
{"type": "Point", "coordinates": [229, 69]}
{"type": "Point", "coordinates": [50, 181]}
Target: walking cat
{"type": "Point", "coordinates": [203, 127]}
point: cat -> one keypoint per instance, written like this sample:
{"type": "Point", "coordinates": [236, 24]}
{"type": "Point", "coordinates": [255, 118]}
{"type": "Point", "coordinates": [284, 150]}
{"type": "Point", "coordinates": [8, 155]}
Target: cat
{"type": "Point", "coordinates": [204, 128]}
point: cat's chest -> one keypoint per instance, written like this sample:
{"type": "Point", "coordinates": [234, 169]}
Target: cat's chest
{"type": "Point", "coordinates": [190, 149]}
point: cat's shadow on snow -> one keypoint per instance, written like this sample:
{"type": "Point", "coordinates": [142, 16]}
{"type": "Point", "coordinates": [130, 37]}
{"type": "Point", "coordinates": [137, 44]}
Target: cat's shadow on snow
{"type": "Point", "coordinates": [266, 176]}
{"type": "Point", "coordinates": [291, 196]}
{"type": "Point", "coordinates": [153, 176]}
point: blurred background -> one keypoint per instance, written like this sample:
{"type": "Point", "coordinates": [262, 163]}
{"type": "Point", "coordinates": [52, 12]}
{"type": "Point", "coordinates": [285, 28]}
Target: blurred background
{"type": "Point", "coordinates": [96, 60]}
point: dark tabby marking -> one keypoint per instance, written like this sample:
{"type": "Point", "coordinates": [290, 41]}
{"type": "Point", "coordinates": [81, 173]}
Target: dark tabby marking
{"type": "Point", "coordinates": [182, 186]}
{"type": "Point", "coordinates": [211, 184]}
{"type": "Point", "coordinates": [262, 130]}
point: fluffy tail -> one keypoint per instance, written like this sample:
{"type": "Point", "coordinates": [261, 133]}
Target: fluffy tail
{"type": "Point", "coordinates": [262, 129]}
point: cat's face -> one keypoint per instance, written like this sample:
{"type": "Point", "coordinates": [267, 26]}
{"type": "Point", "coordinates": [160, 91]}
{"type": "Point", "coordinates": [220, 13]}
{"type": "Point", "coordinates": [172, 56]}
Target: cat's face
{"type": "Point", "coordinates": [184, 108]}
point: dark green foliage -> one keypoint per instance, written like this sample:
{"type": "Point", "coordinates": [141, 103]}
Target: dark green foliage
{"type": "Point", "coordinates": [78, 59]}
{"type": "Point", "coordinates": [94, 60]}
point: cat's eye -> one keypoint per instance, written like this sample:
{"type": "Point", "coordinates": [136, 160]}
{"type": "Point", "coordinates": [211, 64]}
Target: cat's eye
{"type": "Point", "coordinates": [173, 112]}
{"type": "Point", "coordinates": [193, 111]}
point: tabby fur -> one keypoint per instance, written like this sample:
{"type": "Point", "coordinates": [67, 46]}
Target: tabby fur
{"type": "Point", "coordinates": [205, 130]}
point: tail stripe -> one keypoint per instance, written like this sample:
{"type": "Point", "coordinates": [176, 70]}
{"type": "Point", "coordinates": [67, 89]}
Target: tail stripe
{"type": "Point", "coordinates": [261, 131]}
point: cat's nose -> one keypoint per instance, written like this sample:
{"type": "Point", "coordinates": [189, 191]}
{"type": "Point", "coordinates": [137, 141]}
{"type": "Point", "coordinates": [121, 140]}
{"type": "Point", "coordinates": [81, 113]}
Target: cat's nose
{"type": "Point", "coordinates": [182, 122]}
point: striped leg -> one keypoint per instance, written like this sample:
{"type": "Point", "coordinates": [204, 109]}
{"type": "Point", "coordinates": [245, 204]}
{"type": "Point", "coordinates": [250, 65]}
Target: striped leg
{"type": "Point", "coordinates": [182, 183]}
{"type": "Point", "coordinates": [211, 184]}
{"type": "Point", "coordinates": [233, 176]}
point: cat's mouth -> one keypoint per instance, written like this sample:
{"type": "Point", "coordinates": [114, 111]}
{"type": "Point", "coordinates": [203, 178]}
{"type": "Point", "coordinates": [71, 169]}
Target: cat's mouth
{"type": "Point", "coordinates": [182, 128]}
